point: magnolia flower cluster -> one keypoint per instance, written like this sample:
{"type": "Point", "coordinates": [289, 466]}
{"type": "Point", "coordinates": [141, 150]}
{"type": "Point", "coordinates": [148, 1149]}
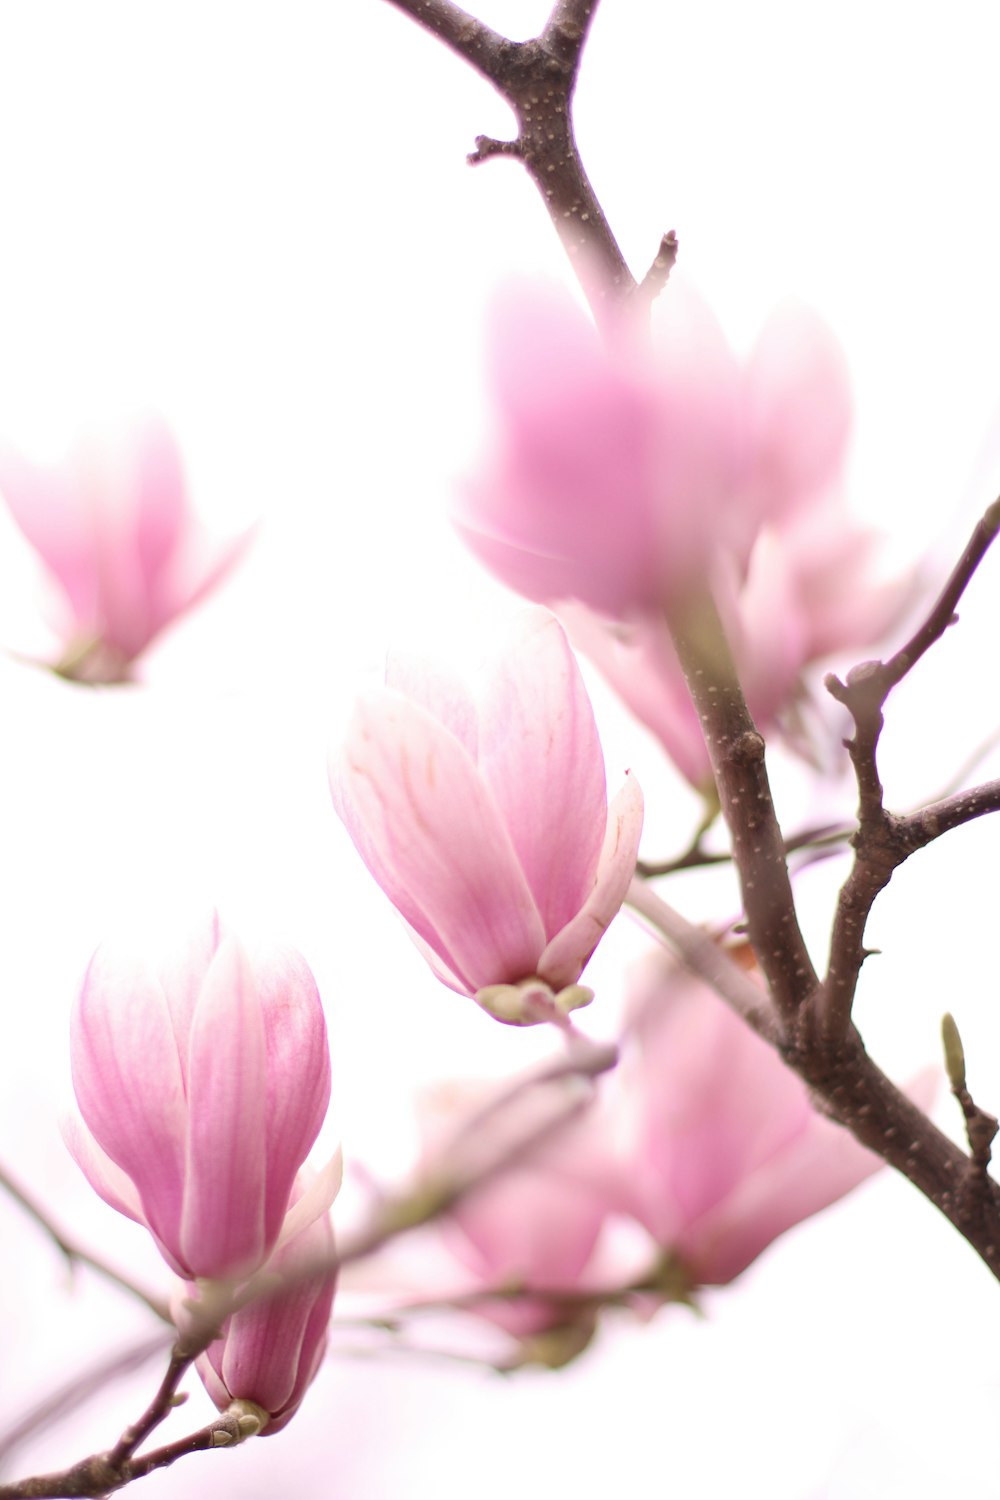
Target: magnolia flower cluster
{"type": "Point", "coordinates": [202, 1083]}
{"type": "Point", "coordinates": [701, 1137]}
{"type": "Point", "coordinates": [627, 479]}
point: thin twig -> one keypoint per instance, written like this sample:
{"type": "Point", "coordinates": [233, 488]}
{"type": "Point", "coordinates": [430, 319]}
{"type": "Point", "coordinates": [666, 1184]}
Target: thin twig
{"type": "Point", "coordinates": [736, 752]}
{"type": "Point", "coordinates": [74, 1253]}
{"type": "Point", "coordinates": [658, 275]}
{"type": "Point", "coordinates": [696, 856]}
{"type": "Point", "coordinates": [537, 78]}
{"type": "Point", "coordinates": [77, 1391]}
{"type": "Point", "coordinates": [883, 840]}
{"type": "Point", "coordinates": [700, 953]}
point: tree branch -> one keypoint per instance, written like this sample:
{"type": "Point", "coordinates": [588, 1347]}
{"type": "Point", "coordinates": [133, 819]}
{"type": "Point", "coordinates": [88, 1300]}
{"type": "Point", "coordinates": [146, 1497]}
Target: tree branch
{"type": "Point", "coordinates": [479, 44]}
{"type": "Point", "coordinates": [736, 751]}
{"type": "Point", "coordinates": [73, 1252]}
{"type": "Point", "coordinates": [537, 78]}
{"type": "Point", "coordinates": [883, 840]}
{"type": "Point", "coordinates": [700, 953]}
{"type": "Point", "coordinates": [849, 1087]}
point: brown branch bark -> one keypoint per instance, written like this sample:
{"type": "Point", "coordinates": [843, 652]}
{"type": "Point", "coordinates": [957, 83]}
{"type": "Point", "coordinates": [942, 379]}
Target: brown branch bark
{"type": "Point", "coordinates": [884, 840]}
{"type": "Point", "coordinates": [736, 751]}
{"type": "Point", "coordinates": [537, 78]}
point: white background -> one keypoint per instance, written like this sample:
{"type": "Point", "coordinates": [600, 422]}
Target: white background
{"type": "Point", "coordinates": [257, 218]}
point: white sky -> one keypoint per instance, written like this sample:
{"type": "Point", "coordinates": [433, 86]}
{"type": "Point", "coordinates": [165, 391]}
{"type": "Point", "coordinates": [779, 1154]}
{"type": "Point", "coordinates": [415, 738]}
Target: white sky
{"type": "Point", "coordinates": [258, 219]}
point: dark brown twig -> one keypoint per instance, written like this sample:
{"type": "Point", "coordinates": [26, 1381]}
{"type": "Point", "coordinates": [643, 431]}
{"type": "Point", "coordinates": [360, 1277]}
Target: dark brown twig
{"type": "Point", "coordinates": [883, 840]}
{"type": "Point", "coordinates": [736, 751]}
{"type": "Point", "coordinates": [537, 78]}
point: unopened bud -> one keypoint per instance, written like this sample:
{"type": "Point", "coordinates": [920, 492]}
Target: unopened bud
{"type": "Point", "coordinates": [954, 1052]}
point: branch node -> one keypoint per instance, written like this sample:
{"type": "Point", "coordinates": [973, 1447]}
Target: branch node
{"type": "Point", "coordinates": [656, 278]}
{"type": "Point", "coordinates": [488, 146]}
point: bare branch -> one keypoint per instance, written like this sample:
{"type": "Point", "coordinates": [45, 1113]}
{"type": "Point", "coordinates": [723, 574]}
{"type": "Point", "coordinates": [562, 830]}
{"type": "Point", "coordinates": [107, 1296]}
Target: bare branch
{"type": "Point", "coordinates": [700, 953]}
{"type": "Point", "coordinates": [537, 78]}
{"type": "Point", "coordinates": [736, 751]}
{"type": "Point", "coordinates": [883, 840]}
{"type": "Point", "coordinates": [487, 146]}
{"type": "Point", "coordinates": [567, 29]}
{"type": "Point", "coordinates": [657, 276]}
{"type": "Point", "coordinates": [77, 1391]}
{"type": "Point", "coordinates": [479, 44]}
{"type": "Point", "coordinates": [74, 1253]}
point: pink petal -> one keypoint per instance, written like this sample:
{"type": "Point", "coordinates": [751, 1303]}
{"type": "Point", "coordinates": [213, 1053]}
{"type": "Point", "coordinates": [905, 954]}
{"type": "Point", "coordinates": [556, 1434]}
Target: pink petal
{"type": "Point", "coordinates": [161, 506]}
{"type": "Point", "coordinates": [541, 757]}
{"type": "Point", "coordinates": [223, 1222]}
{"type": "Point", "coordinates": [445, 697]}
{"type": "Point", "coordinates": [431, 834]}
{"type": "Point", "coordinates": [819, 1166]}
{"type": "Point", "coordinates": [637, 658]}
{"type": "Point", "coordinates": [567, 954]}
{"type": "Point", "coordinates": [317, 1198]}
{"type": "Point", "coordinates": [45, 505]}
{"type": "Point", "coordinates": [800, 410]}
{"type": "Point", "coordinates": [107, 1180]}
{"type": "Point", "coordinates": [128, 1084]}
{"type": "Point", "coordinates": [567, 507]}
{"type": "Point", "coordinates": [298, 1073]}
{"type": "Point", "coordinates": [272, 1348]}
{"type": "Point", "coordinates": [182, 971]}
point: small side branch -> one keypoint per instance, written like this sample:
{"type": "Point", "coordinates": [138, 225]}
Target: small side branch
{"type": "Point", "coordinates": [699, 953]}
{"type": "Point", "coordinates": [74, 1253]}
{"type": "Point", "coordinates": [537, 78]}
{"type": "Point", "coordinates": [883, 841]}
{"type": "Point", "coordinates": [658, 275]}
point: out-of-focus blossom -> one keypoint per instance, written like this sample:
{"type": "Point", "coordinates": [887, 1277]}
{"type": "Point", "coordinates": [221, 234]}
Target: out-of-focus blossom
{"type": "Point", "coordinates": [202, 1081]}
{"type": "Point", "coordinates": [114, 527]}
{"type": "Point", "coordinates": [532, 1250]}
{"type": "Point", "coordinates": [720, 1148]}
{"type": "Point", "coordinates": [485, 820]}
{"type": "Point", "coordinates": [809, 590]}
{"type": "Point", "coordinates": [270, 1350]}
{"type": "Point", "coordinates": [623, 476]}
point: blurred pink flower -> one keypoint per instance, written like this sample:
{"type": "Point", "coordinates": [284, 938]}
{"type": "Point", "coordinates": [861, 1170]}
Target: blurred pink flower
{"type": "Point", "coordinates": [622, 476]}
{"type": "Point", "coordinates": [535, 1227]}
{"type": "Point", "coordinates": [720, 1149]}
{"type": "Point", "coordinates": [202, 1082]}
{"type": "Point", "coordinates": [486, 821]}
{"type": "Point", "coordinates": [809, 590]}
{"type": "Point", "coordinates": [114, 527]}
{"type": "Point", "coordinates": [270, 1350]}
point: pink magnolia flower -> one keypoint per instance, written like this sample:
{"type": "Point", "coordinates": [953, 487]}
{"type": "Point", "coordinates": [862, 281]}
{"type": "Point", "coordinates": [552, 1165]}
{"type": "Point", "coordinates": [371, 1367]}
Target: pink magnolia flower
{"type": "Point", "coordinates": [809, 590]}
{"type": "Point", "coordinates": [486, 821]}
{"type": "Point", "coordinates": [202, 1082]}
{"type": "Point", "coordinates": [114, 527]}
{"type": "Point", "coordinates": [534, 1230]}
{"type": "Point", "coordinates": [270, 1351]}
{"type": "Point", "coordinates": [720, 1148]}
{"type": "Point", "coordinates": [622, 475]}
